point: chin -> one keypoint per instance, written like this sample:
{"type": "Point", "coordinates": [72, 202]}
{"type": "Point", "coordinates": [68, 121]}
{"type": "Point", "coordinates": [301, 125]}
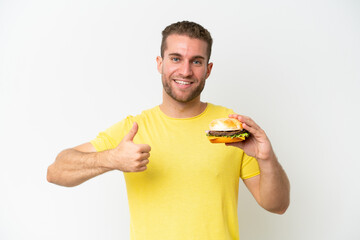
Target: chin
{"type": "Point", "coordinates": [184, 99]}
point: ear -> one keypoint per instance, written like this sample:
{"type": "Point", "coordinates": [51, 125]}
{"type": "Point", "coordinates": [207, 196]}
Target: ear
{"type": "Point", "coordinates": [208, 70]}
{"type": "Point", "coordinates": [159, 61]}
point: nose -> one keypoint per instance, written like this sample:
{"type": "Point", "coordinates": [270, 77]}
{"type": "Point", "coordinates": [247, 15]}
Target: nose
{"type": "Point", "coordinates": [185, 69]}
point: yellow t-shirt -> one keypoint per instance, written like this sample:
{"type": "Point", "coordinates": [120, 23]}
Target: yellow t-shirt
{"type": "Point", "coordinates": [190, 188]}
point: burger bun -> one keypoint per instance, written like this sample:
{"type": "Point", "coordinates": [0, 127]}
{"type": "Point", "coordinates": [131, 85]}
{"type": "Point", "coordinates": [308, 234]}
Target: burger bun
{"type": "Point", "coordinates": [225, 124]}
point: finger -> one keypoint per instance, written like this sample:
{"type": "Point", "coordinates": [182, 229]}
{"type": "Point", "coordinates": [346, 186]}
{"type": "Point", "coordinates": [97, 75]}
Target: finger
{"type": "Point", "coordinates": [246, 120]}
{"type": "Point", "coordinates": [131, 134]}
{"type": "Point", "coordinates": [144, 162]}
{"type": "Point", "coordinates": [234, 115]}
{"type": "Point", "coordinates": [140, 166]}
{"type": "Point", "coordinates": [144, 148]}
{"type": "Point", "coordinates": [239, 117]}
{"type": "Point", "coordinates": [248, 124]}
{"type": "Point", "coordinates": [250, 129]}
{"type": "Point", "coordinates": [142, 169]}
{"type": "Point", "coordinates": [251, 123]}
{"type": "Point", "coordinates": [145, 156]}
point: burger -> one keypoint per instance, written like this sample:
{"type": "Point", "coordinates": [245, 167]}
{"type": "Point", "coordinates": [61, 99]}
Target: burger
{"type": "Point", "coordinates": [226, 130]}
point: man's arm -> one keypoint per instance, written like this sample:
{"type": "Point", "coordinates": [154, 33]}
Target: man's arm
{"type": "Point", "coordinates": [76, 165]}
{"type": "Point", "coordinates": [271, 188]}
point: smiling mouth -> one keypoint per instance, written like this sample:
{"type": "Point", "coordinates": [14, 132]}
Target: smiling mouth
{"type": "Point", "coordinates": [182, 82]}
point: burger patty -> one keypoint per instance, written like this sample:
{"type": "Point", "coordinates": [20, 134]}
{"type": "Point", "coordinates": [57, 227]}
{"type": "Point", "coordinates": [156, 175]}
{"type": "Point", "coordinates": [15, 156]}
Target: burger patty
{"type": "Point", "coordinates": [226, 133]}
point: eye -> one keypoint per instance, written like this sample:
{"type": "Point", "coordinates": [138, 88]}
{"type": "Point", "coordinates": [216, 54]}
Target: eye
{"type": "Point", "coordinates": [197, 62]}
{"type": "Point", "coordinates": [175, 59]}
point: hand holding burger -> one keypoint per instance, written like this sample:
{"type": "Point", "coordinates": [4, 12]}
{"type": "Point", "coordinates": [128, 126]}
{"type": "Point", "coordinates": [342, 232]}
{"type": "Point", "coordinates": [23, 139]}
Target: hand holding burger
{"type": "Point", "coordinates": [226, 130]}
{"type": "Point", "coordinates": [258, 145]}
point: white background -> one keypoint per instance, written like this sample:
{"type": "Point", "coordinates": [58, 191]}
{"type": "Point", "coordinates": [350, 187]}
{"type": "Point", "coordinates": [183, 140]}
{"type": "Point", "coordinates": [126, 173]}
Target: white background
{"type": "Point", "coordinates": [70, 69]}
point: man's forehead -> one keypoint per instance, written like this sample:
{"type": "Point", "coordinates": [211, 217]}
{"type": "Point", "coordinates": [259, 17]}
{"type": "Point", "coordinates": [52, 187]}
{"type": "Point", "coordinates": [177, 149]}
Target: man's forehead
{"type": "Point", "coordinates": [184, 44]}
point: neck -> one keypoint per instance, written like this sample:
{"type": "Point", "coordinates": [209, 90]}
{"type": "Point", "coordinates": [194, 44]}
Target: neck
{"type": "Point", "coordinates": [175, 109]}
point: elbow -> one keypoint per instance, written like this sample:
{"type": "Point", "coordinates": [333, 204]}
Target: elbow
{"type": "Point", "coordinates": [53, 176]}
{"type": "Point", "coordinates": [50, 175]}
{"type": "Point", "coordinates": [53, 171]}
{"type": "Point", "coordinates": [278, 206]}
{"type": "Point", "coordinates": [280, 209]}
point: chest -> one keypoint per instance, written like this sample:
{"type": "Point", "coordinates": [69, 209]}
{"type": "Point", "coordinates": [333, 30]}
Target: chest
{"type": "Point", "coordinates": [185, 151]}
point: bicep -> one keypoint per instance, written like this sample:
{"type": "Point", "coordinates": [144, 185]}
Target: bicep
{"type": "Point", "coordinates": [86, 147]}
{"type": "Point", "coordinates": [253, 185]}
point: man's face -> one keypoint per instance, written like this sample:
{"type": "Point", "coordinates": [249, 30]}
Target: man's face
{"type": "Point", "coordinates": [184, 67]}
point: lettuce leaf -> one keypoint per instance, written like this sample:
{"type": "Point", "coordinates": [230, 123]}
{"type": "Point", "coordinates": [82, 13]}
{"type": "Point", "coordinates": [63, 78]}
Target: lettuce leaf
{"type": "Point", "coordinates": [245, 134]}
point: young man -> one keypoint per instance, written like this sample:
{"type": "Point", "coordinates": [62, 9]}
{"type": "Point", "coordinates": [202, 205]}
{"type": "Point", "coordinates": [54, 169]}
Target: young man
{"type": "Point", "coordinates": [187, 188]}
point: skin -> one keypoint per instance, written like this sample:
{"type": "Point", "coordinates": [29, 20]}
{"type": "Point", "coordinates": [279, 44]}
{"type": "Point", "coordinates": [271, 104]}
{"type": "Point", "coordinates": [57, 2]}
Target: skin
{"type": "Point", "coordinates": [76, 165]}
{"type": "Point", "coordinates": [271, 188]}
{"type": "Point", "coordinates": [185, 61]}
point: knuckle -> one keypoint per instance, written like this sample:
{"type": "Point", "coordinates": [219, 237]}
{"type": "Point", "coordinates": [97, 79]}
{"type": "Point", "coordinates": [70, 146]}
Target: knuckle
{"type": "Point", "coordinates": [138, 156]}
{"type": "Point", "coordinates": [135, 168]}
{"type": "Point", "coordinates": [137, 148]}
{"type": "Point", "coordinates": [140, 169]}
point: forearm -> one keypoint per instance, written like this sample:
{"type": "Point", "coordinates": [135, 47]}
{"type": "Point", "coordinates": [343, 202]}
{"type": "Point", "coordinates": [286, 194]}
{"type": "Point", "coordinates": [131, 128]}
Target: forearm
{"type": "Point", "coordinates": [73, 167]}
{"type": "Point", "coordinates": [274, 186]}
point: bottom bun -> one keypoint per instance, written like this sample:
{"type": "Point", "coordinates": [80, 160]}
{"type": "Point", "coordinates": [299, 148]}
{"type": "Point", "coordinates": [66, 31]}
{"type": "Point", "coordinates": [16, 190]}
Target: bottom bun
{"type": "Point", "coordinates": [225, 139]}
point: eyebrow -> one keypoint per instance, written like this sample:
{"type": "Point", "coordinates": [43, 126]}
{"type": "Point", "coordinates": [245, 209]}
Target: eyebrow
{"type": "Point", "coordinates": [179, 55]}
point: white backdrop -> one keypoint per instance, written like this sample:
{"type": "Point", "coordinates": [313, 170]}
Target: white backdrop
{"type": "Point", "coordinates": [69, 69]}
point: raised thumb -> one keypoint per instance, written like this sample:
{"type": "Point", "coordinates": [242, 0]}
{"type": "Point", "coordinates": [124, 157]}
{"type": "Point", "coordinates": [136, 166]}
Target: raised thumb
{"type": "Point", "coordinates": [131, 134]}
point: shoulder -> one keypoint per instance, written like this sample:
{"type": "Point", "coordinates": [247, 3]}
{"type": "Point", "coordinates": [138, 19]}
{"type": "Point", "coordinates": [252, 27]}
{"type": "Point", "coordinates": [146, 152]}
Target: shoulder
{"type": "Point", "coordinates": [126, 123]}
{"type": "Point", "coordinates": [146, 118]}
{"type": "Point", "coordinates": [145, 114]}
{"type": "Point", "coordinates": [219, 107]}
{"type": "Point", "coordinates": [219, 110]}
{"type": "Point", "coordinates": [118, 130]}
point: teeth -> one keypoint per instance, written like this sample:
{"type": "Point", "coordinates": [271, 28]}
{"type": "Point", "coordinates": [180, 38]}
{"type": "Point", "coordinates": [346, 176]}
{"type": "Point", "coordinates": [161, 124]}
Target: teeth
{"type": "Point", "coordinates": [182, 82]}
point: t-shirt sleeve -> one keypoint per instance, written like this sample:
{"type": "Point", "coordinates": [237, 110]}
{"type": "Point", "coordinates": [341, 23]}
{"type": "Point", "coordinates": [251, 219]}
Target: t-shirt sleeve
{"type": "Point", "coordinates": [249, 167]}
{"type": "Point", "coordinates": [112, 136]}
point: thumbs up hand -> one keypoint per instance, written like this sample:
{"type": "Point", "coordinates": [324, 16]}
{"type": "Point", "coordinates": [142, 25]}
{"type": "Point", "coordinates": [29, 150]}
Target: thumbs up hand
{"type": "Point", "coordinates": [128, 156]}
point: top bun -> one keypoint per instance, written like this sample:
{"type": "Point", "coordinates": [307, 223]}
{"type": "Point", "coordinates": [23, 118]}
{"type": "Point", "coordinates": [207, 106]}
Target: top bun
{"type": "Point", "coordinates": [225, 124]}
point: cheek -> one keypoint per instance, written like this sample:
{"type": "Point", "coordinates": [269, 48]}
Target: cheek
{"type": "Point", "coordinates": [169, 70]}
{"type": "Point", "coordinates": [201, 73]}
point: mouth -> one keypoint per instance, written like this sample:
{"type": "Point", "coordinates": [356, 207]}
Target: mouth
{"type": "Point", "coordinates": [183, 83]}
